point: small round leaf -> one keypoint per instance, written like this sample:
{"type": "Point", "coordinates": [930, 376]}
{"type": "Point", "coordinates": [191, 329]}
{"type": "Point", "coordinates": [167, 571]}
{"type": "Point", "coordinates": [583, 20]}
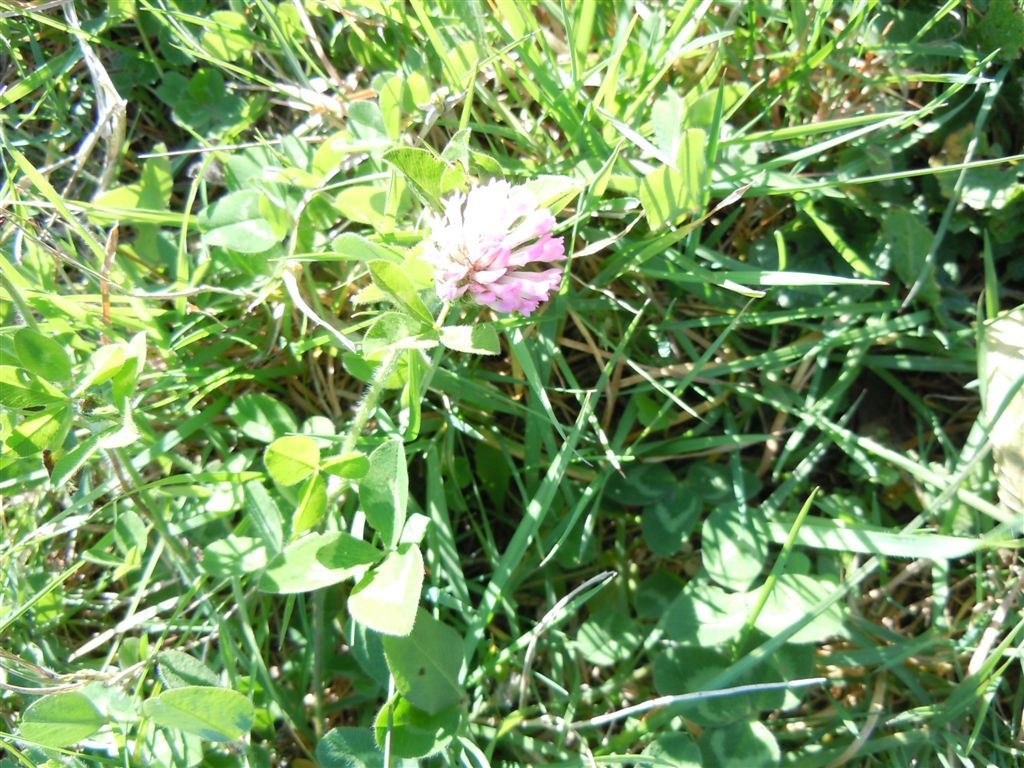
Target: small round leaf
{"type": "Point", "coordinates": [214, 714]}
{"type": "Point", "coordinates": [42, 355]}
{"type": "Point", "coordinates": [290, 460]}
{"type": "Point", "coordinates": [415, 733]}
{"type": "Point", "coordinates": [387, 597]}
{"type": "Point", "coordinates": [743, 744]}
{"type": "Point", "coordinates": [60, 720]}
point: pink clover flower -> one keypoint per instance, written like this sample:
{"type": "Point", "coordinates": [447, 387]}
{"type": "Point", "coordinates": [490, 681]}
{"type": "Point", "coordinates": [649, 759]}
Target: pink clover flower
{"type": "Point", "coordinates": [483, 240]}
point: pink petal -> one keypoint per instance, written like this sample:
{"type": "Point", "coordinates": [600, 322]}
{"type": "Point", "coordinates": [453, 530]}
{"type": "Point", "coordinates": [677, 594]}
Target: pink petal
{"type": "Point", "coordinates": [546, 249]}
{"type": "Point", "coordinates": [486, 276]}
{"type": "Point", "coordinates": [491, 255]}
{"type": "Point", "coordinates": [450, 291]}
{"type": "Point", "coordinates": [537, 223]}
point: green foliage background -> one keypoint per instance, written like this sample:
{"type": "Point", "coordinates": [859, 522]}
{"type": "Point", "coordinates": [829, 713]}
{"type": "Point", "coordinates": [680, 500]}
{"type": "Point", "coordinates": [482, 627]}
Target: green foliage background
{"type": "Point", "coordinates": [728, 499]}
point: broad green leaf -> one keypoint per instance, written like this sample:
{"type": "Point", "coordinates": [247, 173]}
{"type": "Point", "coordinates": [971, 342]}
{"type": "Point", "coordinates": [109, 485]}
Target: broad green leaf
{"type": "Point", "coordinates": [640, 484]}
{"type": "Point", "coordinates": [214, 714]}
{"type": "Point", "coordinates": [235, 222]}
{"type": "Point", "coordinates": [986, 189]}
{"type": "Point", "coordinates": [655, 594]}
{"type": "Point", "coordinates": [103, 364]}
{"type": "Point", "coordinates": [352, 247]}
{"type": "Point", "coordinates": [426, 664]}
{"type": "Point", "coordinates": [668, 195]}
{"type": "Point", "coordinates": [420, 272]}
{"type": "Point", "coordinates": [732, 551]}
{"type": "Point", "coordinates": [351, 465]}
{"type": "Point", "coordinates": [266, 518]}
{"type": "Point", "coordinates": [669, 520]}
{"type": "Point", "coordinates": [701, 113]}
{"type": "Point", "coordinates": [368, 651]}
{"type": "Point", "coordinates": [321, 429]}
{"type": "Point", "coordinates": [332, 152]}
{"type": "Point", "coordinates": [130, 531]}
{"type": "Point", "coordinates": [384, 491]}
{"type": "Point", "coordinates": [60, 720]}
{"type": "Point", "coordinates": [421, 168]}
{"type": "Point", "coordinates": [608, 637]}
{"type": "Point", "coordinates": [417, 91]}
{"type": "Point", "coordinates": [151, 193]}
{"type": "Point", "coordinates": [393, 331]}
{"type": "Point", "coordinates": [667, 116]}
{"type": "Point", "coordinates": [793, 596]}
{"type": "Point", "coordinates": [457, 148]}
{"type": "Point", "coordinates": [393, 281]}
{"type": "Point", "coordinates": [19, 389]}
{"type": "Point", "coordinates": [366, 122]}
{"type": "Point", "coordinates": [479, 339]}
{"type": "Point", "coordinates": [179, 670]}
{"type": "Point", "coordinates": [71, 462]}
{"type": "Point", "coordinates": [363, 367]}
{"type": "Point", "coordinates": [554, 192]}
{"type": "Point", "coordinates": [290, 21]}
{"type": "Point", "coordinates": [228, 37]}
{"type": "Point", "coordinates": [674, 750]}
{"type": "Point", "coordinates": [909, 241]}
{"type": "Point", "coordinates": [126, 379]}
{"type": "Point", "coordinates": [291, 459]}
{"type": "Point", "coordinates": [234, 556]}
{"type": "Point", "coordinates": [688, 669]}
{"type": "Point", "coordinates": [350, 747]}
{"type": "Point", "coordinates": [386, 598]}
{"type": "Point", "coordinates": [276, 211]}
{"type": "Point", "coordinates": [463, 60]}
{"type": "Point", "coordinates": [391, 89]}
{"type": "Point", "coordinates": [453, 178]}
{"type": "Point", "coordinates": [346, 551]}
{"type": "Point", "coordinates": [156, 182]}
{"type": "Point", "coordinates": [1002, 28]}
{"type": "Point", "coordinates": [705, 615]}
{"type": "Point", "coordinates": [299, 567]}
{"type": "Point", "coordinates": [743, 744]}
{"type": "Point", "coordinates": [365, 204]}
{"type": "Point", "coordinates": [415, 733]}
{"type": "Point", "coordinates": [45, 432]}
{"type": "Point", "coordinates": [113, 702]}
{"type": "Point", "coordinates": [42, 355]}
{"type": "Point", "coordinates": [714, 483]}
{"type": "Point", "coordinates": [312, 505]}
{"type": "Point", "coordinates": [261, 417]}
{"type": "Point", "coordinates": [124, 435]}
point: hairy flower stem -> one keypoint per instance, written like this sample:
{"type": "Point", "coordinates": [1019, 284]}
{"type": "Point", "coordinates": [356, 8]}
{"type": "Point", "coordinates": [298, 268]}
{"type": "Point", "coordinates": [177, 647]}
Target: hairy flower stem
{"type": "Point", "coordinates": [369, 402]}
{"type": "Point", "coordinates": [366, 406]}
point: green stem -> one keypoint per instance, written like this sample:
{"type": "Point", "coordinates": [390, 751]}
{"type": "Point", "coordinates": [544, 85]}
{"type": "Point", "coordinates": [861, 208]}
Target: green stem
{"type": "Point", "coordinates": [318, 662]}
{"type": "Point", "coordinates": [369, 402]}
{"type": "Point", "coordinates": [19, 301]}
{"type": "Point", "coordinates": [435, 359]}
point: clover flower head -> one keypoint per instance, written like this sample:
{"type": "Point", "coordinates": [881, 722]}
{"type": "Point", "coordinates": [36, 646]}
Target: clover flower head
{"type": "Point", "coordinates": [483, 240]}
